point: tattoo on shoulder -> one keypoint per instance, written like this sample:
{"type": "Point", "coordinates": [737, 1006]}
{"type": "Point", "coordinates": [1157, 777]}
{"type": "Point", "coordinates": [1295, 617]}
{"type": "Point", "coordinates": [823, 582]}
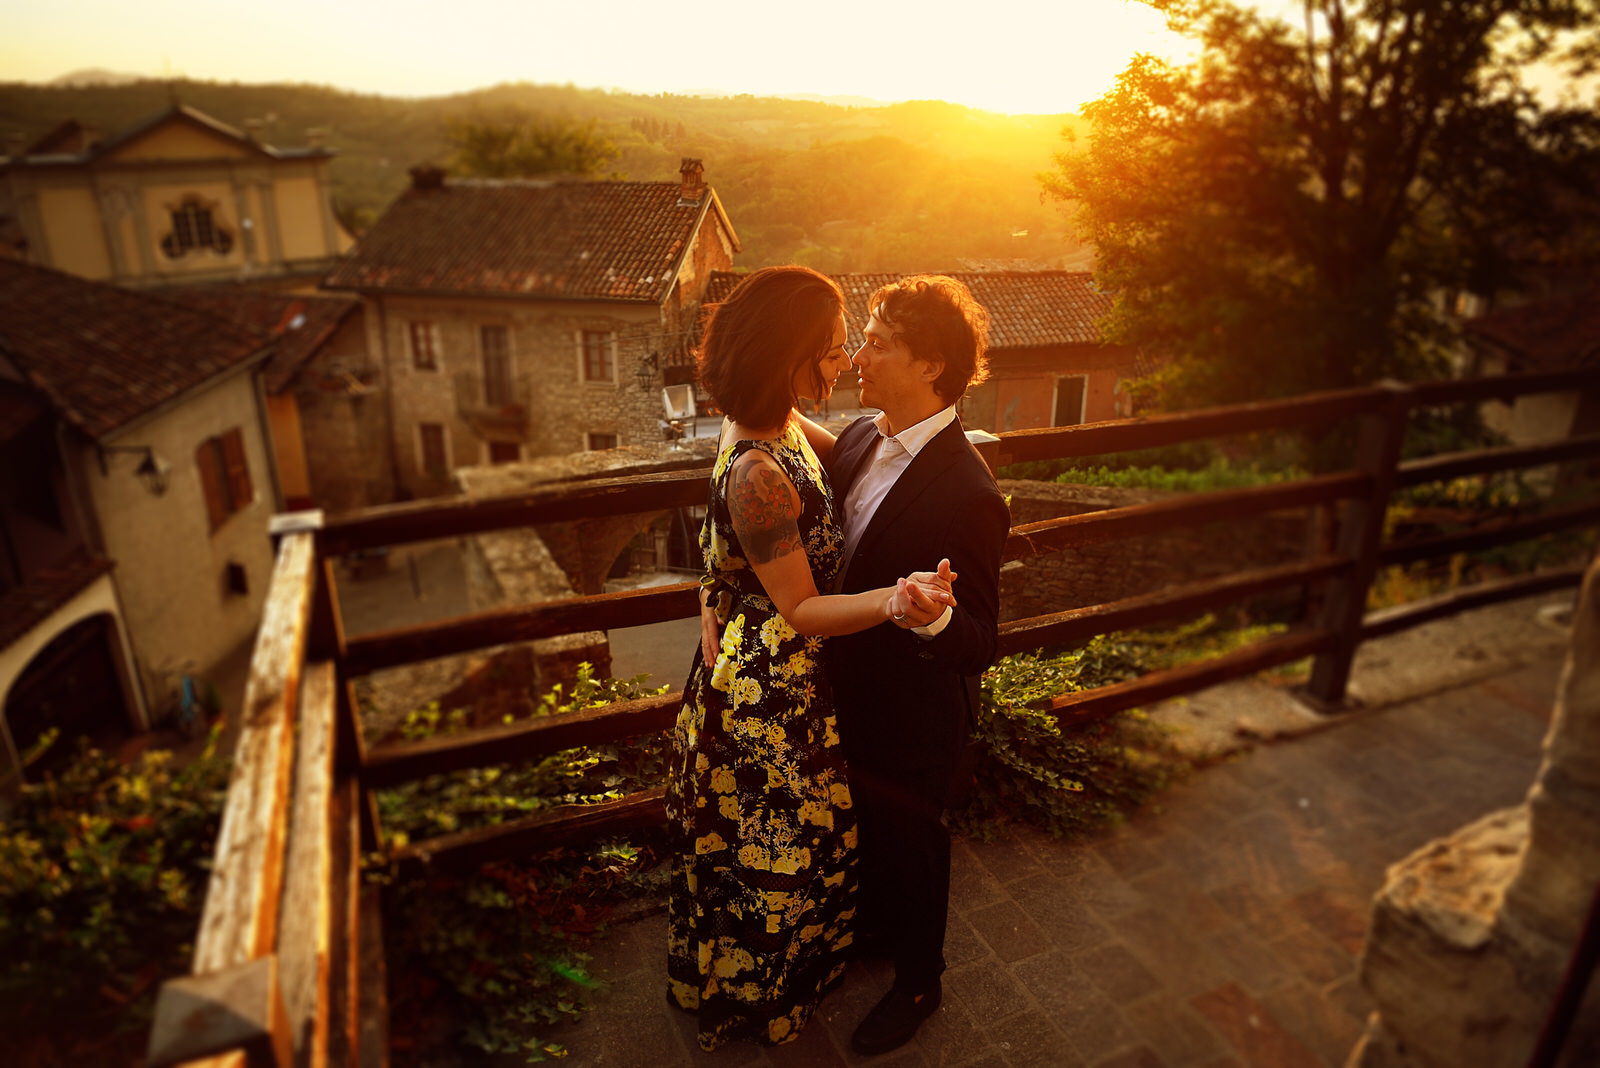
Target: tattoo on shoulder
{"type": "Point", "coordinates": [761, 504]}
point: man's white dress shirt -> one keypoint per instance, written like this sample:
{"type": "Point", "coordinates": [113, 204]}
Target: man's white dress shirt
{"type": "Point", "coordinates": [880, 470]}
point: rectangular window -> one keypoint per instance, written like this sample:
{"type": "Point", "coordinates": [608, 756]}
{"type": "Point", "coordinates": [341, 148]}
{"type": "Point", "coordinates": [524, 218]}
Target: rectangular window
{"type": "Point", "coordinates": [599, 356]}
{"type": "Point", "coordinates": [431, 437]}
{"type": "Point", "coordinates": [602, 441]}
{"type": "Point", "coordinates": [424, 347]}
{"type": "Point", "coordinates": [224, 476]}
{"type": "Point", "coordinates": [1070, 390]}
{"type": "Point", "coordinates": [504, 452]}
{"type": "Point", "coordinates": [495, 342]}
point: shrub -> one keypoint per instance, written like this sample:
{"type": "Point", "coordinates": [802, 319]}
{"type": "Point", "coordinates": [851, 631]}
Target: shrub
{"type": "Point", "coordinates": [103, 870]}
{"type": "Point", "coordinates": [491, 958]}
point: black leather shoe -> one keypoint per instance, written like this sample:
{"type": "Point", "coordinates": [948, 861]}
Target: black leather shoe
{"type": "Point", "coordinates": [894, 1020]}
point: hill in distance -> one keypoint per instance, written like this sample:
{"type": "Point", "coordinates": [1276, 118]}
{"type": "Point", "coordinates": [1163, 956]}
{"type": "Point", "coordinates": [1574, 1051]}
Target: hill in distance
{"type": "Point", "coordinates": [916, 186]}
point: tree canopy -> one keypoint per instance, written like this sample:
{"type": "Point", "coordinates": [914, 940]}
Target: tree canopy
{"type": "Point", "coordinates": [522, 144]}
{"type": "Point", "coordinates": [1283, 214]}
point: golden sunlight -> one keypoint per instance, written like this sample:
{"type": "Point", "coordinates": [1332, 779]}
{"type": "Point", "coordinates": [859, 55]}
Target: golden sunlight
{"type": "Point", "coordinates": [1007, 55]}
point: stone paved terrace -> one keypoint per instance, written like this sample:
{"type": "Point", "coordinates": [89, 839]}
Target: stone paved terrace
{"type": "Point", "coordinates": [1221, 926]}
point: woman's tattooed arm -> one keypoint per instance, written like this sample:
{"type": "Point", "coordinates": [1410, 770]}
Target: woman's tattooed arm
{"type": "Point", "coordinates": [765, 509]}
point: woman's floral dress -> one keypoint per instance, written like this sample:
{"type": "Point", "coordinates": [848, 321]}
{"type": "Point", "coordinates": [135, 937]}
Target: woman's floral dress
{"type": "Point", "coordinates": [762, 895]}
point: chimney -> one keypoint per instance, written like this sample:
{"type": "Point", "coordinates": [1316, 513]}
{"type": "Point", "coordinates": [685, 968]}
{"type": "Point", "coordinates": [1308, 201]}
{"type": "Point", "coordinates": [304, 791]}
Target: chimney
{"type": "Point", "coordinates": [426, 177]}
{"type": "Point", "coordinates": [252, 130]}
{"type": "Point", "coordinates": [694, 185]}
{"type": "Point", "coordinates": [317, 137]}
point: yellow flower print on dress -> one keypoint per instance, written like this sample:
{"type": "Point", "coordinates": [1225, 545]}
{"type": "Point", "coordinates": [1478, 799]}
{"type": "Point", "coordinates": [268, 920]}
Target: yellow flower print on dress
{"type": "Point", "coordinates": [746, 691]}
{"type": "Point", "coordinates": [774, 632]}
{"type": "Point", "coordinates": [723, 782]}
{"type": "Point", "coordinates": [728, 806]}
{"type": "Point", "coordinates": [830, 730]}
{"type": "Point", "coordinates": [839, 794]}
{"type": "Point", "coordinates": [709, 844]}
{"type": "Point", "coordinates": [732, 963]}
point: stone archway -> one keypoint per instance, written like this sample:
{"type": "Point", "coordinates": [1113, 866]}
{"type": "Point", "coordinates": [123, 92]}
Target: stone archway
{"type": "Point", "coordinates": [72, 684]}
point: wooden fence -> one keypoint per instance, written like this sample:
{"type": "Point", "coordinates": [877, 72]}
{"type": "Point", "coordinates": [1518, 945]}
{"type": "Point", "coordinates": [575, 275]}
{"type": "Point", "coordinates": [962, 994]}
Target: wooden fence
{"type": "Point", "coordinates": [280, 971]}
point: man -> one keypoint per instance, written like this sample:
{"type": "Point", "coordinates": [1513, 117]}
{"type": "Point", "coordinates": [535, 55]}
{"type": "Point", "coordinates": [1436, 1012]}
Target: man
{"type": "Point", "coordinates": [910, 490]}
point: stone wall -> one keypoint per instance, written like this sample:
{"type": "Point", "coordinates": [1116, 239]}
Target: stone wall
{"type": "Point", "coordinates": [343, 424]}
{"type": "Point", "coordinates": [1098, 572]}
{"type": "Point", "coordinates": [552, 411]}
{"type": "Point", "coordinates": [1472, 933]}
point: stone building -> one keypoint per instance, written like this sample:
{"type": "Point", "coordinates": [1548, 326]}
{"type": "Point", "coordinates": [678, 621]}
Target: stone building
{"type": "Point", "coordinates": [531, 317]}
{"type": "Point", "coordinates": [1047, 363]}
{"type": "Point", "coordinates": [326, 411]}
{"type": "Point", "coordinates": [180, 197]}
{"type": "Point", "coordinates": [136, 482]}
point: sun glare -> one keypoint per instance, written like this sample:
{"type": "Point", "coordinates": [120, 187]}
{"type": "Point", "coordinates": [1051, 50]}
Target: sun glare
{"type": "Point", "coordinates": [1007, 55]}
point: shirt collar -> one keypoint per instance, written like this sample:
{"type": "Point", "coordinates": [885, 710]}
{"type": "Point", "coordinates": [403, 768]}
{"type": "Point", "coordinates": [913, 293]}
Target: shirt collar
{"type": "Point", "coordinates": [914, 438]}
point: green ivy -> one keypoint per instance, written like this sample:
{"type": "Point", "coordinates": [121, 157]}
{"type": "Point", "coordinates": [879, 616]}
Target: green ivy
{"type": "Point", "coordinates": [491, 959]}
{"type": "Point", "coordinates": [103, 870]}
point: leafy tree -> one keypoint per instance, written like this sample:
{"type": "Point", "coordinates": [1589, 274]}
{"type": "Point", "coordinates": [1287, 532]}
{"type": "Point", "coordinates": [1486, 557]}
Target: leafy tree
{"type": "Point", "coordinates": [520, 144]}
{"type": "Point", "coordinates": [1280, 215]}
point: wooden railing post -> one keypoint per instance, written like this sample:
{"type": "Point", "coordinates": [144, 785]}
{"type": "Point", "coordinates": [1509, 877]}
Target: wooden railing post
{"type": "Point", "coordinates": [232, 1010]}
{"type": "Point", "coordinates": [1360, 537]}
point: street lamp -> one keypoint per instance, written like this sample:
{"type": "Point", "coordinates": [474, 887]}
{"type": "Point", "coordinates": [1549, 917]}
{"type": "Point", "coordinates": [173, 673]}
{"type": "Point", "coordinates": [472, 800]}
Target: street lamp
{"type": "Point", "coordinates": [647, 371]}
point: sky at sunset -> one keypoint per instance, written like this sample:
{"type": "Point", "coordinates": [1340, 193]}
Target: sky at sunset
{"type": "Point", "coordinates": [1001, 55]}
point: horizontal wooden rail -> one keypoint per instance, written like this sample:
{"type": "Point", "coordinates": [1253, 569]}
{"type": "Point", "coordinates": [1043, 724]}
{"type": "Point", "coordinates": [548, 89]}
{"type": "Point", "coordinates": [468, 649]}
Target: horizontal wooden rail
{"type": "Point", "coordinates": [1404, 616]}
{"type": "Point", "coordinates": [1048, 535]}
{"type": "Point", "coordinates": [1497, 387]}
{"type": "Point", "coordinates": [484, 630]}
{"type": "Point", "coordinates": [1489, 535]}
{"type": "Point", "coordinates": [515, 840]}
{"type": "Point", "coordinates": [400, 524]}
{"type": "Point", "coordinates": [1081, 624]}
{"type": "Point", "coordinates": [1085, 706]}
{"type": "Point", "coordinates": [240, 919]}
{"type": "Point", "coordinates": [530, 739]}
{"type": "Point", "coordinates": [1152, 431]}
{"type": "Point", "coordinates": [1480, 461]}
{"type": "Point", "coordinates": [306, 915]}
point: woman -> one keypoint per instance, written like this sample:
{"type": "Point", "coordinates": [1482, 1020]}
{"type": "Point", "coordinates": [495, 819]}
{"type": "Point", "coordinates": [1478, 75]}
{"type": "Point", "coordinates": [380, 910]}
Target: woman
{"type": "Point", "coordinates": [762, 890]}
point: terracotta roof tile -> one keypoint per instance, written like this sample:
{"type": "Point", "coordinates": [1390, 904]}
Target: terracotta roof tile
{"type": "Point", "coordinates": [105, 355]}
{"type": "Point", "coordinates": [26, 606]}
{"type": "Point", "coordinates": [1026, 308]}
{"type": "Point", "coordinates": [551, 238]}
{"type": "Point", "coordinates": [297, 322]}
{"type": "Point", "coordinates": [1552, 334]}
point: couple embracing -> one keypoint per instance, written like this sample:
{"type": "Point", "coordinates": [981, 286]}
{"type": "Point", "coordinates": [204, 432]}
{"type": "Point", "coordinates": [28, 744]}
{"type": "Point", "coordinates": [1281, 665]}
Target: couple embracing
{"type": "Point", "coordinates": [825, 719]}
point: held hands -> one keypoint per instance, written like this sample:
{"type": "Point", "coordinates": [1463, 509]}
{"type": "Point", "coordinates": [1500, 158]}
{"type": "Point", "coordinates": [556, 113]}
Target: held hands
{"type": "Point", "coordinates": [921, 597]}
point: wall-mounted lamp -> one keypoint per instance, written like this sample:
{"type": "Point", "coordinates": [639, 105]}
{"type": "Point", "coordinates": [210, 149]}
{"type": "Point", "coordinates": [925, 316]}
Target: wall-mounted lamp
{"type": "Point", "coordinates": [647, 371]}
{"type": "Point", "coordinates": [152, 470]}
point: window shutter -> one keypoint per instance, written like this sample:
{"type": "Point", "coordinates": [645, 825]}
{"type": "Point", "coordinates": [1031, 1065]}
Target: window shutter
{"type": "Point", "coordinates": [238, 471]}
{"type": "Point", "coordinates": [212, 481]}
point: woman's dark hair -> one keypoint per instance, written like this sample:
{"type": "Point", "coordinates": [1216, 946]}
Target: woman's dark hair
{"type": "Point", "coordinates": [938, 319]}
{"type": "Point", "coordinates": [773, 322]}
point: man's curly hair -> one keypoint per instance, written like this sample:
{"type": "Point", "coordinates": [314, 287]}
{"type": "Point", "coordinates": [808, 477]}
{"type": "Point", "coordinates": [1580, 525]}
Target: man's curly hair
{"type": "Point", "coordinates": [938, 319]}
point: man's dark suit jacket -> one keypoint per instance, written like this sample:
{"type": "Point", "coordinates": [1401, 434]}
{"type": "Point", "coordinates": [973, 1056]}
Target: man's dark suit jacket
{"type": "Point", "coordinates": [906, 703]}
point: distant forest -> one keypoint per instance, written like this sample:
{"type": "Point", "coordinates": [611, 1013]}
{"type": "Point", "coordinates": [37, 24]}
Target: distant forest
{"type": "Point", "coordinates": [904, 187]}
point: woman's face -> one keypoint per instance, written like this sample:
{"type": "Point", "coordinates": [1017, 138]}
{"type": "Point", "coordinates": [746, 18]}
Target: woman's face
{"type": "Point", "coordinates": [814, 381]}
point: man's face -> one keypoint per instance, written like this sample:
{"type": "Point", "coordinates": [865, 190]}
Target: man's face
{"type": "Point", "coordinates": [891, 378]}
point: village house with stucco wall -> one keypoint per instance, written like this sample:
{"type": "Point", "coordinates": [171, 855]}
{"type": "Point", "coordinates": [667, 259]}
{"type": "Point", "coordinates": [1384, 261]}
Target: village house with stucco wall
{"type": "Point", "coordinates": [136, 485]}
{"type": "Point", "coordinates": [178, 198]}
{"type": "Point", "coordinates": [531, 317]}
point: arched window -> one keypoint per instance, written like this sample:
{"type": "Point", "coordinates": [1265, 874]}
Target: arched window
{"type": "Point", "coordinates": [193, 228]}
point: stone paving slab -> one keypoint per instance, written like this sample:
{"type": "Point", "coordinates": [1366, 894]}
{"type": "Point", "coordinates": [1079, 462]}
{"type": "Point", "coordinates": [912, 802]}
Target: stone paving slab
{"type": "Point", "coordinates": [1219, 926]}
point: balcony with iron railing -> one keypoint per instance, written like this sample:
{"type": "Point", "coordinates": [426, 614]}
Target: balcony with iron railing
{"type": "Point", "coordinates": [278, 976]}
